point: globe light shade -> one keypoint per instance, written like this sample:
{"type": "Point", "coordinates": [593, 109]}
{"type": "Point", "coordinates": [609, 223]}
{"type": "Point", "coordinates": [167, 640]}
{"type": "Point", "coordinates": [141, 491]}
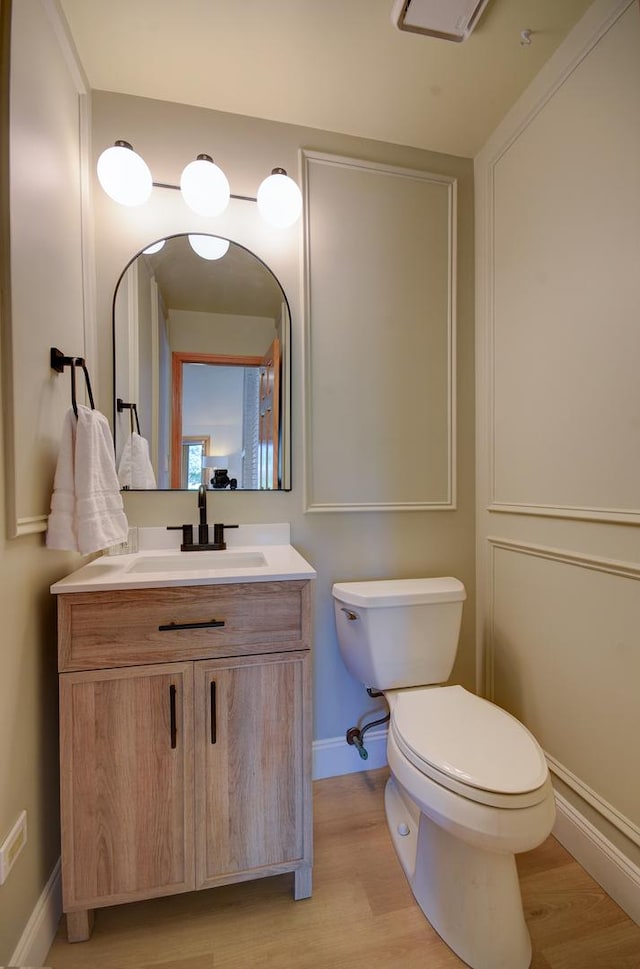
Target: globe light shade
{"type": "Point", "coordinates": [124, 175]}
{"type": "Point", "coordinates": [279, 199]}
{"type": "Point", "coordinates": [209, 247]}
{"type": "Point", "coordinates": [204, 187]}
{"type": "Point", "coordinates": [154, 247]}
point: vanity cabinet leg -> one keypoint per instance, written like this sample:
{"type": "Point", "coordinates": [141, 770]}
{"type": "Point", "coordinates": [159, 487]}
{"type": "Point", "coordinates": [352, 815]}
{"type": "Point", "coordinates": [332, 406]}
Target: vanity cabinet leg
{"type": "Point", "coordinates": [302, 883]}
{"type": "Point", "coordinates": [80, 925]}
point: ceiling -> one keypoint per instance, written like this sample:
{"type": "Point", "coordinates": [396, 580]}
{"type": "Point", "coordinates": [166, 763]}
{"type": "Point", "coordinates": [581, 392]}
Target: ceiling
{"type": "Point", "coordinates": [239, 284]}
{"type": "Point", "coordinates": [339, 65]}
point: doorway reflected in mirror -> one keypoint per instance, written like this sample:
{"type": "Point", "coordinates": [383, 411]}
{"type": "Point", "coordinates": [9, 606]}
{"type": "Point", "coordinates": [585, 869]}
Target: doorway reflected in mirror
{"type": "Point", "coordinates": [203, 348]}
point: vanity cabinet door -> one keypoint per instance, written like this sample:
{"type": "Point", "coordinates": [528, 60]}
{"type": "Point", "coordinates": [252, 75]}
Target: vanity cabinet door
{"type": "Point", "coordinates": [253, 806]}
{"type": "Point", "coordinates": [127, 781]}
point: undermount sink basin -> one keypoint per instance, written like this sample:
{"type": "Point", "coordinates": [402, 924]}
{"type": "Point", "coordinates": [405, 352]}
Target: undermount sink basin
{"type": "Point", "coordinates": [198, 561]}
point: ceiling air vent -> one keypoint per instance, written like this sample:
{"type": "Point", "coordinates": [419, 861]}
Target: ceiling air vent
{"type": "Point", "coordinates": [447, 19]}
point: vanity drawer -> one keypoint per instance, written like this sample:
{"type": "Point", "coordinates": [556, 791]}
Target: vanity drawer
{"type": "Point", "coordinates": [134, 627]}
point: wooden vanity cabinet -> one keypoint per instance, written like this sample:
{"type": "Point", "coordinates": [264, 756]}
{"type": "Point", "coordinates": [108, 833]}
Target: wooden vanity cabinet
{"type": "Point", "coordinates": [186, 774]}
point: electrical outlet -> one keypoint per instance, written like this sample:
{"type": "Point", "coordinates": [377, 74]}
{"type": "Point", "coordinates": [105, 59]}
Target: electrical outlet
{"type": "Point", "coordinates": [12, 846]}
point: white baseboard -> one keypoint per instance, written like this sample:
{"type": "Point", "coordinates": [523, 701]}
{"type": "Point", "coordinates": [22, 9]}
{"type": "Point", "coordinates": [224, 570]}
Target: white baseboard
{"type": "Point", "coordinates": [42, 926]}
{"type": "Point", "coordinates": [335, 756]}
{"type": "Point", "coordinates": [619, 877]}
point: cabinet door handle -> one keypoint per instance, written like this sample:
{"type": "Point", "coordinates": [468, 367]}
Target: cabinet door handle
{"type": "Point", "coordinates": [213, 712]}
{"type": "Point", "coordinates": [172, 714]}
{"type": "Point", "coordinates": [170, 627]}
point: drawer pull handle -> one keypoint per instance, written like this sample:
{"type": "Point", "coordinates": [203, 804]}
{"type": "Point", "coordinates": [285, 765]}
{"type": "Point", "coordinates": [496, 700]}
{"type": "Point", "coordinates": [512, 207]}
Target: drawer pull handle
{"type": "Point", "coordinates": [170, 627]}
{"type": "Point", "coordinates": [172, 712]}
{"type": "Point", "coordinates": [213, 712]}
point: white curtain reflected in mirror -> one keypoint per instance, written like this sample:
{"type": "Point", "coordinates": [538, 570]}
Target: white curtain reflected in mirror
{"type": "Point", "coordinates": [202, 348]}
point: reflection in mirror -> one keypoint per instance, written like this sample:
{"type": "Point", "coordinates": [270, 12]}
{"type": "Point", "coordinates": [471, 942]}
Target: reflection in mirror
{"type": "Point", "coordinates": [201, 347]}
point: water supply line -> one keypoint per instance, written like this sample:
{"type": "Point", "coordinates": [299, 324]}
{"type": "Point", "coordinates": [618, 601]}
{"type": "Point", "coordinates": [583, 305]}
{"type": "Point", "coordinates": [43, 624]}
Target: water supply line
{"type": "Point", "coordinates": [355, 735]}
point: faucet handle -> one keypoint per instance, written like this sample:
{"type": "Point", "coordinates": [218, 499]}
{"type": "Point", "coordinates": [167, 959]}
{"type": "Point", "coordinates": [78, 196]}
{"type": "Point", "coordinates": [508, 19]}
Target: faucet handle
{"type": "Point", "coordinates": [187, 533]}
{"type": "Point", "coordinates": [218, 535]}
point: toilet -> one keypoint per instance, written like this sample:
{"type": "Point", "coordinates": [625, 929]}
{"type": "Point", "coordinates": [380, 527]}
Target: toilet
{"type": "Point", "coordinates": [469, 786]}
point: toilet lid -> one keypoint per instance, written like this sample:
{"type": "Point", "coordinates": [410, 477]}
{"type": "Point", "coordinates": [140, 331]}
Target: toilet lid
{"type": "Point", "coordinates": [468, 739]}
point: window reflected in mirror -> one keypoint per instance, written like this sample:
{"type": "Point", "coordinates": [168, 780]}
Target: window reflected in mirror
{"type": "Point", "coordinates": [194, 452]}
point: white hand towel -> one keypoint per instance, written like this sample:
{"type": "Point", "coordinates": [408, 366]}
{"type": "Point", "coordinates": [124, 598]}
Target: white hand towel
{"type": "Point", "coordinates": [135, 469]}
{"type": "Point", "coordinates": [99, 513]}
{"type": "Point", "coordinates": [87, 514]}
{"type": "Point", "coordinates": [61, 527]}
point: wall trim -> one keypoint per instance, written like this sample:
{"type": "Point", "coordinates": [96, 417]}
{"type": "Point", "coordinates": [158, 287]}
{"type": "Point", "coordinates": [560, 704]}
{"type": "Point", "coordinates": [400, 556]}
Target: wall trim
{"type": "Point", "coordinates": [630, 517]}
{"type": "Point", "coordinates": [42, 926]}
{"type": "Point", "coordinates": [619, 877]}
{"type": "Point", "coordinates": [594, 25]}
{"type": "Point", "coordinates": [334, 756]}
{"type": "Point", "coordinates": [447, 502]}
{"type": "Point", "coordinates": [611, 814]}
{"type": "Point", "coordinates": [628, 570]}
{"type": "Point", "coordinates": [18, 525]}
{"type": "Point", "coordinates": [31, 525]}
{"type": "Point", "coordinates": [387, 506]}
{"type": "Point", "coordinates": [625, 570]}
{"type": "Point", "coordinates": [485, 668]}
{"type": "Point", "coordinates": [63, 35]}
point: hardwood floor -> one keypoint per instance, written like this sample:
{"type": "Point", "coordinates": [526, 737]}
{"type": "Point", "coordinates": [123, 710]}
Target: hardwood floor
{"type": "Point", "coordinates": [362, 912]}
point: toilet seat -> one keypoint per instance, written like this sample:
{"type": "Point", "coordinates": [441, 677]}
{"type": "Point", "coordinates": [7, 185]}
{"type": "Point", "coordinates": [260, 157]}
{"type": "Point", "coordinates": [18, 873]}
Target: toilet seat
{"type": "Point", "coordinates": [469, 745]}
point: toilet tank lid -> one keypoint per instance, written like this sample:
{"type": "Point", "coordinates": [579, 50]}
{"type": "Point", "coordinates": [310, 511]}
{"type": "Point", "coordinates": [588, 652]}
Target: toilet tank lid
{"type": "Point", "coordinates": [399, 592]}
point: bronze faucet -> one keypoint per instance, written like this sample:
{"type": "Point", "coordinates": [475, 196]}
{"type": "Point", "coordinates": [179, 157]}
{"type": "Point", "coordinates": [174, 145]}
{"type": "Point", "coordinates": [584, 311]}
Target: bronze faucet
{"type": "Point", "coordinates": [203, 542]}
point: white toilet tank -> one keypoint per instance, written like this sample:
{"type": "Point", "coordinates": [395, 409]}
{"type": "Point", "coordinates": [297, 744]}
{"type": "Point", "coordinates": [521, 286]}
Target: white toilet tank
{"type": "Point", "coordinates": [394, 633]}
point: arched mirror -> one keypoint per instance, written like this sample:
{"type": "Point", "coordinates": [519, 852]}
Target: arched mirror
{"type": "Point", "coordinates": [201, 333]}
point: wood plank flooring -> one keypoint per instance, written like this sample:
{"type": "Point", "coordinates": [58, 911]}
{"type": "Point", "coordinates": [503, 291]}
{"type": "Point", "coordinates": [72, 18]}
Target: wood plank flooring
{"type": "Point", "coordinates": [362, 912]}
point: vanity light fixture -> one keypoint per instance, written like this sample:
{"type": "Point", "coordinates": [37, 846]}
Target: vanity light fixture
{"type": "Point", "coordinates": [126, 178]}
{"type": "Point", "coordinates": [209, 247]}
{"type": "Point", "coordinates": [204, 187]}
{"type": "Point", "coordinates": [279, 199]}
{"type": "Point", "coordinates": [124, 175]}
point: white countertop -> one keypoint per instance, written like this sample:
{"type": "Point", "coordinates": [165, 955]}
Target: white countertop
{"type": "Point", "coordinates": [158, 567]}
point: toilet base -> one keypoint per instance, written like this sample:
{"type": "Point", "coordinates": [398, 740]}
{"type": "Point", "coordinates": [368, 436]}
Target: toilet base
{"type": "Point", "coordinates": [470, 896]}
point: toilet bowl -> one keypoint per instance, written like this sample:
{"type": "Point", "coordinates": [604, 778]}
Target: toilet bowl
{"type": "Point", "coordinates": [457, 824]}
{"type": "Point", "coordinates": [469, 785]}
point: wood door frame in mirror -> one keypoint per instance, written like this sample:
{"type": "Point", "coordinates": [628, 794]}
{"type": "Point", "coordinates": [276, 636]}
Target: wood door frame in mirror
{"type": "Point", "coordinates": [178, 359]}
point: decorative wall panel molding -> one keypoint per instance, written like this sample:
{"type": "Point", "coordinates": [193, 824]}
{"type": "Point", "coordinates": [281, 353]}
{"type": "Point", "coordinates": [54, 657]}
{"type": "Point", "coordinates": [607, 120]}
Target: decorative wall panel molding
{"type": "Point", "coordinates": [631, 517]}
{"type": "Point", "coordinates": [50, 274]}
{"type": "Point", "coordinates": [629, 570]}
{"type": "Point", "coordinates": [571, 642]}
{"type": "Point", "coordinates": [557, 422]}
{"type": "Point", "coordinates": [618, 820]}
{"type": "Point", "coordinates": [560, 348]}
{"type": "Point", "coordinates": [380, 336]}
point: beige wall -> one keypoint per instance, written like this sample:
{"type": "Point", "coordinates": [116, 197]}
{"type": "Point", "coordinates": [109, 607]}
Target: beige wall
{"type": "Point", "coordinates": [28, 684]}
{"type": "Point", "coordinates": [558, 343]}
{"type": "Point", "coordinates": [551, 577]}
{"type": "Point", "coordinates": [341, 545]}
